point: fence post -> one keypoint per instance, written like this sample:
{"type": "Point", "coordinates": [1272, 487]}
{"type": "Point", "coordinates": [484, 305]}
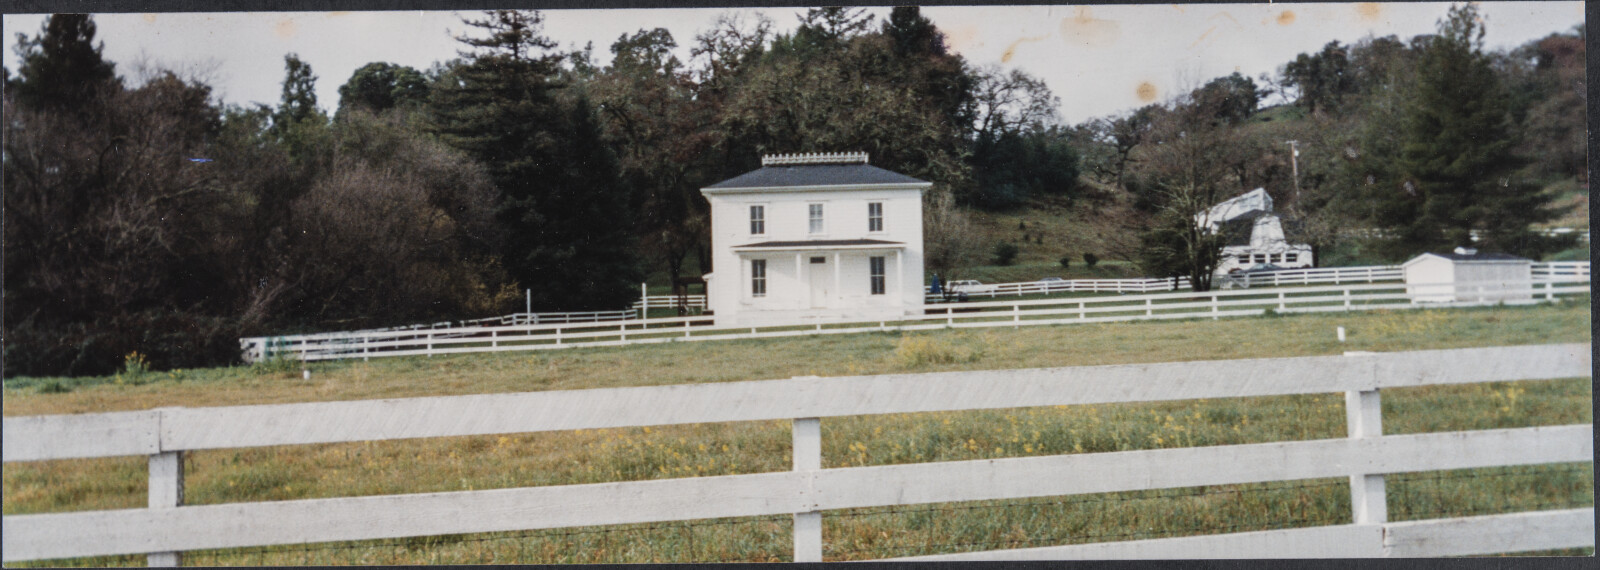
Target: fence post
{"type": "Point", "coordinates": [1549, 290]}
{"type": "Point", "coordinates": [365, 340]}
{"type": "Point", "coordinates": [808, 457]}
{"type": "Point", "coordinates": [1364, 418]}
{"type": "Point", "coordinates": [644, 300]}
{"type": "Point", "coordinates": [1149, 307]}
{"type": "Point", "coordinates": [1280, 301]}
{"type": "Point", "coordinates": [1016, 316]}
{"type": "Point", "coordinates": [558, 336]}
{"type": "Point", "coordinates": [1215, 306]}
{"type": "Point", "coordinates": [430, 344]}
{"type": "Point", "coordinates": [1083, 313]}
{"type": "Point", "coordinates": [166, 492]}
{"type": "Point", "coordinates": [1346, 299]}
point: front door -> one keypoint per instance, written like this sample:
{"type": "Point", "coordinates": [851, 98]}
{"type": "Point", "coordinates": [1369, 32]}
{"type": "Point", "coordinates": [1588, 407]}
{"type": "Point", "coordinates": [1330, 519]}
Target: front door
{"type": "Point", "coordinates": [821, 281]}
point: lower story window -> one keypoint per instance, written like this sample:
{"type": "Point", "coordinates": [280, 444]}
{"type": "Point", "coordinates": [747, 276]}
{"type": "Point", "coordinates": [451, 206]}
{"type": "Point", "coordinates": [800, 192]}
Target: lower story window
{"type": "Point", "coordinates": [877, 274]}
{"type": "Point", "coordinates": [1261, 258]}
{"type": "Point", "coordinates": [758, 277]}
{"type": "Point", "coordinates": [1273, 258]}
{"type": "Point", "coordinates": [1290, 257]}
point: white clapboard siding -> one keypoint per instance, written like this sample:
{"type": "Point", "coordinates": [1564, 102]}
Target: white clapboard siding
{"type": "Point", "coordinates": [183, 429]}
{"type": "Point", "coordinates": [1466, 536]}
{"type": "Point", "coordinates": [320, 520]}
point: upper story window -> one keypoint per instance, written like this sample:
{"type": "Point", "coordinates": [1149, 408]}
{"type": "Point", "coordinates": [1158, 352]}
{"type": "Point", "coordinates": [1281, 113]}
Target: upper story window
{"type": "Point", "coordinates": [758, 220]}
{"type": "Point", "coordinates": [815, 211]}
{"type": "Point", "coordinates": [875, 216]}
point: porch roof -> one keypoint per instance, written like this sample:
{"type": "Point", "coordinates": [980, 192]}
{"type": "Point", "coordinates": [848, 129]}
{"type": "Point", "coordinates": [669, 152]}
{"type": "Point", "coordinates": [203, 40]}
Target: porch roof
{"type": "Point", "coordinates": [819, 245]}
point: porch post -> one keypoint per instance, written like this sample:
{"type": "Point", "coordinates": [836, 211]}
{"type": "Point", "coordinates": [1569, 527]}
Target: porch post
{"type": "Point", "coordinates": [837, 292]}
{"type": "Point", "coordinates": [900, 276]}
{"type": "Point", "coordinates": [801, 287]}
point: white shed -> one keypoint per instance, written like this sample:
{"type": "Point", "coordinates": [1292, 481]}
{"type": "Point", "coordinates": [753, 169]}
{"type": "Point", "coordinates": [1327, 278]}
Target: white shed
{"type": "Point", "coordinates": [815, 237]}
{"type": "Point", "coordinates": [1467, 275]}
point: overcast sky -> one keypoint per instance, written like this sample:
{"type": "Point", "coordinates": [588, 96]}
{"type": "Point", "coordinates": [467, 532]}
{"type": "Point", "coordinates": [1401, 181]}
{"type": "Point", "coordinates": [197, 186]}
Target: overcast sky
{"type": "Point", "coordinates": [1099, 60]}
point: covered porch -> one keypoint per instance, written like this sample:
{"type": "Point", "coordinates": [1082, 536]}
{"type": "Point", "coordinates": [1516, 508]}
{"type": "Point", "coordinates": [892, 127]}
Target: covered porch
{"type": "Point", "coordinates": [806, 281]}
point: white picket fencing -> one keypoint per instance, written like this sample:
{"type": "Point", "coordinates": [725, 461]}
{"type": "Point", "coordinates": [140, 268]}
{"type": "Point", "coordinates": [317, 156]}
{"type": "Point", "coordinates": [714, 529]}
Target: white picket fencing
{"type": "Point", "coordinates": [1030, 312]}
{"type": "Point", "coordinates": [168, 527]}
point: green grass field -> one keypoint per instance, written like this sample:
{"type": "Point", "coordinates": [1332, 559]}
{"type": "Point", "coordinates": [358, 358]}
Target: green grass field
{"type": "Point", "coordinates": [486, 462]}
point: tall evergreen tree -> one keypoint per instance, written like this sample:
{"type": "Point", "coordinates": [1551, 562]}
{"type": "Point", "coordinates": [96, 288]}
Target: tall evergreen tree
{"type": "Point", "coordinates": [562, 205]}
{"type": "Point", "coordinates": [299, 99]}
{"type": "Point", "coordinates": [1456, 171]}
{"type": "Point", "coordinates": [61, 67]}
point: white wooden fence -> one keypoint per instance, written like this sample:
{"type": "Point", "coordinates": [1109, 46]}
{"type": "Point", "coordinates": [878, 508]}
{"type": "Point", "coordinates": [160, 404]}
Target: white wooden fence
{"type": "Point", "coordinates": [1139, 285]}
{"type": "Point", "coordinates": [1542, 270]}
{"type": "Point", "coordinates": [648, 302]}
{"type": "Point", "coordinates": [1561, 270]}
{"type": "Point", "coordinates": [1050, 311]}
{"type": "Point", "coordinates": [543, 318]}
{"type": "Point", "coordinates": [168, 527]}
{"type": "Point", "coordinates": [1313, 275]}
{"type": "Point", "coordinates": [1582, 233]}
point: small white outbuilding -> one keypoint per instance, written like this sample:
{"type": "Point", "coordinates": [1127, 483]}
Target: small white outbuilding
{"type": "Point", "coordinates": [1467, 275]}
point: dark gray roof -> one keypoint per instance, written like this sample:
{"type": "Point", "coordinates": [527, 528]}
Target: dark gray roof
{"type": "Point", "coordinates": [1480, 257]}
{"type": "Point", "coordinates": [815, 175]}
{"type": "Point", "coordinates": [822, 243]}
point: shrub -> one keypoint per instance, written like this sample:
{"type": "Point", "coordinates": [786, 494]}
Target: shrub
{"type": "Point", "coordinates": [163, 341]}
{"type": "Point", "coordinates": [1090, 259]}
{"type": "Point", "coordinates": [134, 368]}
{"type": "Point", "coordinates": [1066, 262]}
{"type": "Point", "coordinates": [1005, 253]}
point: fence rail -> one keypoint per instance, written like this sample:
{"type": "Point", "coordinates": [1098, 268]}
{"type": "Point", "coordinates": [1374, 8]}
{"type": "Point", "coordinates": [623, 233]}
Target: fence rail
{"type": "Point", "coordinates": [1316, 275]}
{"type": "Point", "coordinates": [167, 527]}
{"type": "Point", "coordinates": [1140, 285]}
{"type": "Point", "coordinates": [542, 318]}
{"type": "Point", "coordinates": [1561, 270]}
{"type": "Point", "coordinates": [1030, 312]}
{"type": "Point", "coordinates": [669, 302]}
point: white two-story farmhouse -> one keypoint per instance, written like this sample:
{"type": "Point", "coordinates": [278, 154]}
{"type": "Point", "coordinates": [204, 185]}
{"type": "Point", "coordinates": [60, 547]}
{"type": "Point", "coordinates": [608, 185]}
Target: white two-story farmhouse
{"type": "Point", "coordinates": [815, 237]}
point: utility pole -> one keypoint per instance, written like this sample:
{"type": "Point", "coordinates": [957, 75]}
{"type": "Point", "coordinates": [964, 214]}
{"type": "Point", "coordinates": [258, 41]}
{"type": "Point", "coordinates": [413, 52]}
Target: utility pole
{"type": "Point", "coordinates": [1294, 162]}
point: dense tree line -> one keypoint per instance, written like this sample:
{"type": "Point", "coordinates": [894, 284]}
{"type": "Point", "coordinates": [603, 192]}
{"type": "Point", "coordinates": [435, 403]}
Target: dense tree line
{"type": "Point", "coordinates": [1418, 144]}
{"type": "Point", "coordinates": [142, 214]}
